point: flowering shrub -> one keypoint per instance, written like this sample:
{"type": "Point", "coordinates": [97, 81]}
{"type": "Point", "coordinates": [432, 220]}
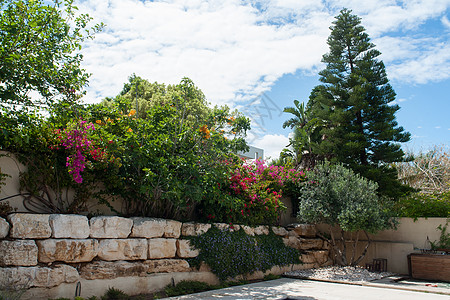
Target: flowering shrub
{"type": "Point", "coordinates": [254, 191]}
{"type": "Point", "coordinates": [75, 139]}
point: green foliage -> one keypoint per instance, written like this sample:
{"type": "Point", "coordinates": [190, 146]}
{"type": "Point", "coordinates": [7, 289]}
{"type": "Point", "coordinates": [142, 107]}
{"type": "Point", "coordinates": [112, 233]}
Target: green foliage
{"type": "Point", "coordinates": [444, 239]}
{"type": "Point", "coordinates": [171, 157]}
{"type": "Point", "coordinates": [229, 254]}
{"type": "Point", "coordinates": [115, 294]}
{"type": "Point", "coordinates": [421, 205]}
{"type": "Point", "coordinates": [355, 110]}
{"type": "Point", "coordinates": [335, 195]}
{"type": "Point", "coordinates": [38, 44]}
{"type": "Point", "coordinates": [185, 287]}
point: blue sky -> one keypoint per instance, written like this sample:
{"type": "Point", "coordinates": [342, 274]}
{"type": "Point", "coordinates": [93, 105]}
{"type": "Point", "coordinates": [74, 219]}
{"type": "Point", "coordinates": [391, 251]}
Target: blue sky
{"type": "Point", "coordinates": [258, 56]}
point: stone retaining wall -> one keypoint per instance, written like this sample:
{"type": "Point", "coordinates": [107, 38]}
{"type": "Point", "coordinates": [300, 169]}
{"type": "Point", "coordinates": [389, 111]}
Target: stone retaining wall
{"type": "Point", "coordinates": [48, 255]}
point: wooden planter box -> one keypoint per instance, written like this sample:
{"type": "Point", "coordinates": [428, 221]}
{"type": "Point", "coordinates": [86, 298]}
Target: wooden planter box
{"type": "Point", "coordinates": [429, 266]}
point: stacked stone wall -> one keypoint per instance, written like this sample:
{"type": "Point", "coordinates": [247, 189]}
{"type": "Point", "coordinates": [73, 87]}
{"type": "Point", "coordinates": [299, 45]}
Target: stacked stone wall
{"type": "Point", "coordinates": [47, 255]}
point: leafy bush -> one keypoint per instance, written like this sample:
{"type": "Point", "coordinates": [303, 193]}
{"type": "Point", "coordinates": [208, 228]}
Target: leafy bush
{"type": "Point", "coordinates": [254, 191]}
{"type": "Point", "coordinates": [229, 254]}
{"type": "Point", "coordinates": [444, 238]}
{"type": "Point", "coordinates": [185, 287]}
{"type": "Point", "coordinates": [335, 195]}
{"type": "Point", "coordinates": [421, 205]}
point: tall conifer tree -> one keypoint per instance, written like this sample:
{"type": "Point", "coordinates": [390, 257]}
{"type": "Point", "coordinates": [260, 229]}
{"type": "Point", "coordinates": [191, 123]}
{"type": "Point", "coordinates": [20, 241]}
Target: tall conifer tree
{"type": "Point", "coordinates": [360, 127]}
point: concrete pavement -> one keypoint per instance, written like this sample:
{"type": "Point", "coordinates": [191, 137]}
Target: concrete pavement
{"type": "Point", "coordinates": [298, 289]}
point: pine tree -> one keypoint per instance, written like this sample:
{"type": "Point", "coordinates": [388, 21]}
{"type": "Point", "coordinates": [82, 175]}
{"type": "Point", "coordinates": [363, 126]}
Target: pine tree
{"type": "Point", "coordinates": [361, 130]}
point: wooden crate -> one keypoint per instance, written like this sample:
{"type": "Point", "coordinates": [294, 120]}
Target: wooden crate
{"type": "Point", "coordinates": [429, 266]}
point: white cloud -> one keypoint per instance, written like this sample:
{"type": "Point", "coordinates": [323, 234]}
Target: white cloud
{"type": "Point", "coordinates": [272, 144]}
{"type": "Point", "coordinates": [437, 127]}
{"type": "Point", "coordinates": [445, 22]}
{"type": "Point", "coordinates": [234, 50]}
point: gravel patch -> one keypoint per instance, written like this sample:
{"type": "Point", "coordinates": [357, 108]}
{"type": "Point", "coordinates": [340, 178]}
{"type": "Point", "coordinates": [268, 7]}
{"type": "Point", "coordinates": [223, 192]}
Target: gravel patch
{"type": "Point", "coordinates": [337, 273]}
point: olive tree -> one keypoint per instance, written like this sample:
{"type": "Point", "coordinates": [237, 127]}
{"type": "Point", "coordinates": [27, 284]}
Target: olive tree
{"type": "Point", "coordinates": [338, 197]}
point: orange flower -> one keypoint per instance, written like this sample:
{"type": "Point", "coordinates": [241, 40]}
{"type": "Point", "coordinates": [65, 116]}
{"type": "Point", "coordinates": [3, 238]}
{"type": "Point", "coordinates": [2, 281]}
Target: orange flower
{"type": "Point", "coordinates": [99, 122]}
{"type": "Point", "coordinates": [132, 112]}
{"type": "Point", "coordinates": [109, 120]}
{"type": "Point", "coordinates": [130, 130]}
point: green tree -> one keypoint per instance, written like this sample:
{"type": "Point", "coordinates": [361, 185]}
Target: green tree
{"type": "Point", "coordinates": [336, 196]}
{"type": "Point", "coordinates": [361, 130]}
{"type": "Point", "coordinates": [39, 41]}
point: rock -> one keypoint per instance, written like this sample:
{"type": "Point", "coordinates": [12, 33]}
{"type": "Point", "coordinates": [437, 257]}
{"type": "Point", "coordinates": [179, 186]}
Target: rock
{"type": "Point", "coordinates": [4, 228]}
{"type": "Point", "coordinates": [248, 230]}
{"type": "Point", "coordinates": [293, 233]}
{"type": "Point", "coordinates": [69, 226]}
{"type": "Point", "coordinates": [222, 226]}
{"type": "Point", "coordinates": [306, 244]}
{"type": "Point", "coordinates": [281, 231]}
{"type": "Point", "coordinates": [262, 229]}
{"type": "Point", "coordinates": [321, 256]}
{"type": "Point", "coordinates": [122, 249]}
{"type": "Point", "coordinates": [308, 257]}
{"type": "Point", "coordinates": [148, 227]}
{"type": "Point", "coordinates": [105, 227]}
{"type": "Point", "coordinates": [167, 266]}
{"type": "Point", "coordinates": [185, 250]}
{"type": "Point", "coordinates": [26, 277]}
{"type": "Point", "coordinates": [194, 229]}
{"type": "Point", "coordinates": [18, 253]}
{"type": "Point", "coordinates": [292, 242]}
{"type": "Point", "coordinates": [17, 278]}
{"type": "Point", "coordinates": [67, 250]}
{"type": "Point", "coordinates": [50, 277]}
{"type": "Point", "coordinates": [305, 230]}
{"type": "Point", "coordinates": [173, 229]}
{"type": "Point", "coordinates": [112, 269]}
{"type": "Point", "coordinates": [29, 226]}
{"type": "Point", "coordinates": [161, 248]}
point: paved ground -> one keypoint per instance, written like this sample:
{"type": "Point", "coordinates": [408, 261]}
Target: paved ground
{"type": "Point", "coordinates": [298, 289]}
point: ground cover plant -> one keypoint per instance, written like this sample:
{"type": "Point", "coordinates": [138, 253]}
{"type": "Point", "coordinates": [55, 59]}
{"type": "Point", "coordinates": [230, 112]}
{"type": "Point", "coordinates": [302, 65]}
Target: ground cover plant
{"type": "Point", "coordinates": [233, 253]}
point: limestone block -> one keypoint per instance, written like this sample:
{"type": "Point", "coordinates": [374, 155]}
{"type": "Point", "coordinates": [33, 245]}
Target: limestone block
{"type": "Point", "coordinates": [185, 250]}
{"type": "Point", "coordinates": [18, 253]}
{"type": "Point", "coordinates": [50, 277]}
{"type": "Point", "coordinates": [67, 250]}
{"type": "Point", "coordinates": [167, 265]}
{"type": "Point", "coordinates": [17, 278]}
{"type": "Point", "coordinates": [122, 249]}
{"type": "Point", "coordinates": [27, 277]}
{"type": "Point", "coordinates": [292, 242]}
{"type": "Point", "coordinates": [262, 229]}
{"type": "Point", "coordinates": [306, 244]}
{"type": "Point", "coordinates": [173, 229]}
{"type": "Point", "coordinates": [69, 226]}
{"type": "Point", "coordinates": [112, 269]}
{"type": "Point", "coordinates": [321, 256]}
{"type": "Point", "coordinates": [148, 227]}
{"type": "Point", "coordinates": [194, 229]}
{"type": "Point", "coordinates": [305, 230]}
{"type": "Point", "coordinates": [29, 226]}
{"type": "Point", "coordinates": [307, 258]}
{"type": "Point", "coordinates": [222, 226]}
{"type": "Point", "coordinates": [234, 227]}
{"type": "Point", "coordinates": [293, 233]}
{"type": "Point", "coordinates": [248, 230]}
{"type": "Point", "coordinates": [303, 266]}
{"type": "Point", "coordinates": [281, 231]}
{"type": "Point", "coordinates": [4, 228]}
{"type": "Point", "coordinates": [161, 248]}
{"type": "Point", "coordinates": [105, 227]}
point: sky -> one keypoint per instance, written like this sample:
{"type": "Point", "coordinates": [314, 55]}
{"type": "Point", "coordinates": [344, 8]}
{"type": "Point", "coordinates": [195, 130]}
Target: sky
{"type": "Point", "coordinates": [259, 56]}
